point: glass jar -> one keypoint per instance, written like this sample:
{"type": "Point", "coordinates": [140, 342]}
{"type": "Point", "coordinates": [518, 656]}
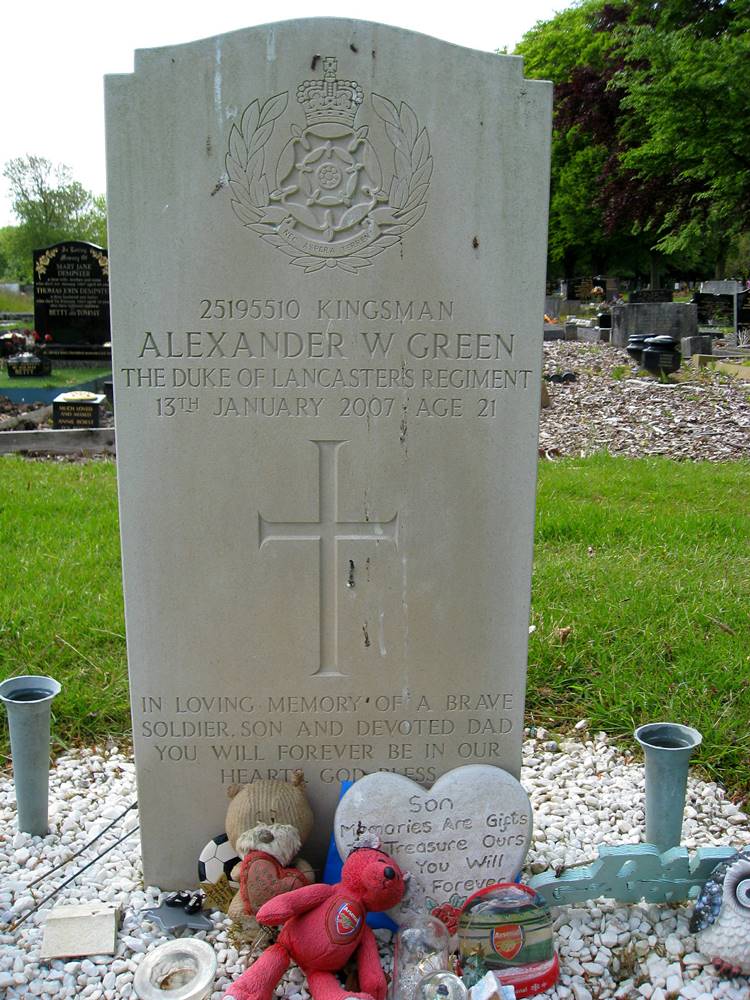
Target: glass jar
{"type": "Point", "coordinates": [441, 986]}
{"type": "Point", "coordinates": [422, 948]}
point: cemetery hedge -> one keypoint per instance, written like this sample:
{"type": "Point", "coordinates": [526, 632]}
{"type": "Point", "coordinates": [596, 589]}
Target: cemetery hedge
{"type": "Point", "coordinates": [641, 599]}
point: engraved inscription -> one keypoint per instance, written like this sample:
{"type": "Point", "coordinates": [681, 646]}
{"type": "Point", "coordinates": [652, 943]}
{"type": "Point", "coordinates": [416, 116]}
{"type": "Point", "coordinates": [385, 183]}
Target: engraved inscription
{"type": "Point", "coordinates": [334, 736]}
{"type": "Point", "coordinates": [330, 206]}
{"type": "Point", "coordinates": [327, 531]}
{"type": "Point", "coordinates": [457, 375]}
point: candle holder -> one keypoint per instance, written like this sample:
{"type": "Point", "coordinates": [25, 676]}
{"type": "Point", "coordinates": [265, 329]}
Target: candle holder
{"type": "Point", "coordinates": [177, 970]}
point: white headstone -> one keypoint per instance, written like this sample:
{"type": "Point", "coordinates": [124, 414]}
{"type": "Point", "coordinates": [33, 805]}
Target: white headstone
{"type": "Point", "coordinates": [470, 830]}
{"type": "Point", "coordinates": [327, 244]}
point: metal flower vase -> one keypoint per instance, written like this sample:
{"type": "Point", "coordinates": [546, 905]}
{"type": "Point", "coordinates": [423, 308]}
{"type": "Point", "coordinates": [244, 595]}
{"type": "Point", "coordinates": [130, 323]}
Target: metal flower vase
{"type": "Point", "coordinates": [667, 749]}
{"type": "Point", "coordinates": [27, 701]}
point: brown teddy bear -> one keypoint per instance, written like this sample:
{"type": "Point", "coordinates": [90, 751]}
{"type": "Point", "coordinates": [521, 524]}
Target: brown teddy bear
{"type": "Point", "coordinates": [267, 823]}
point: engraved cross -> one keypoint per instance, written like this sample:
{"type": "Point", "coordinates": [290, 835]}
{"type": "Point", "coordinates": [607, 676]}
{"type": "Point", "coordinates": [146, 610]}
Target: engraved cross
{"type": "Point", "coordinates": [327, 531]}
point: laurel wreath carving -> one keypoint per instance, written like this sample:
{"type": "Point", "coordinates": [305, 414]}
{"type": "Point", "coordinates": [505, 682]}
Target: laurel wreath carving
{"type": "Point", "coordinates": [406, 198]}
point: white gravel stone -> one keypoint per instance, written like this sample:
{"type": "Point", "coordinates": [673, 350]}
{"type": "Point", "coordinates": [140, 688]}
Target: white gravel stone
{"type": "Point", "coordinates": [593, 968]}
{"type": "Point", "coordinates": [581, 993]}
{"type": "Point", "coordinates": [584, 794]}
{"type": "Point", "coordinates": [674, 985]}
{"type": "Point", "coordinates": [625, 989]}
{"type": "Point", "coordinates": [694, 958]}
{"type": "Point", "coordinates": [675, 946]}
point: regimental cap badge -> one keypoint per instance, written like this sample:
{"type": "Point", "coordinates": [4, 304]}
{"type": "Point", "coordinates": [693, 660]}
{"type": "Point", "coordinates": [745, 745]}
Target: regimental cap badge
{"type": "Point", "coordinates": [329, 99]}
{"type": "Point", "coordinates": [324, 201]}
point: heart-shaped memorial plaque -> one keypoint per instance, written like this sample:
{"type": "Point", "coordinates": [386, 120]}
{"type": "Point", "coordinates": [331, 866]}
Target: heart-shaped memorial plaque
{"type": "Point", "coordinates": [470, 830]}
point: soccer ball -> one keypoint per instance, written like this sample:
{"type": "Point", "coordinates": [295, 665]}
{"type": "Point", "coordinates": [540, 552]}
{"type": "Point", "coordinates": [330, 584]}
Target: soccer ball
{"type": "Point", "coordinates": [217, 858]}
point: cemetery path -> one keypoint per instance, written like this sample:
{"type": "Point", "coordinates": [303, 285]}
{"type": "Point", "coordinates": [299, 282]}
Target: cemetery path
{"type": "Point", "coordinates": [609, 407]}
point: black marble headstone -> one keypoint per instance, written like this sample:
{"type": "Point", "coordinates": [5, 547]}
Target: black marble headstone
{"type": "Point", "coordinates": [27, 365]}
{"type": "Point", "coordinates": [718, 310]}
{"type": "Point", "coordinates": [76, 410]}
{"type": "Point", "coordinates": [71, 293]}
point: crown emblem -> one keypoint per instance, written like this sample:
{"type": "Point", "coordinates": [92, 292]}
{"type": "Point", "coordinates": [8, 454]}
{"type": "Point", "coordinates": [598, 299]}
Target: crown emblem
{"type": "Point", "coordinates": [329, 99]}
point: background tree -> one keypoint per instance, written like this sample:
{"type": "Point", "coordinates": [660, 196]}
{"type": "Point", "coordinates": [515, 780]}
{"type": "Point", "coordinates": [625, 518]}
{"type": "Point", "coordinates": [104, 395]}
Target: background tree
{"type": "Point", "coordinates": [5, 251]}
{"type": "Point", "coordinates": [50, 207]}
{"type": "Point", "coordinates": [649, 170]}
{"type": "Point", "coordinates": [578, 56]}
{"type": "Point", "coordinates": [686, 92]}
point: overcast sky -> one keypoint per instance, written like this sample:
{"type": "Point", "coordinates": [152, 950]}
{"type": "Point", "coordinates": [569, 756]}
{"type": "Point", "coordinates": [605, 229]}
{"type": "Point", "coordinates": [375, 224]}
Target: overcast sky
{"type": "Point", "coordinates": [55, 55]}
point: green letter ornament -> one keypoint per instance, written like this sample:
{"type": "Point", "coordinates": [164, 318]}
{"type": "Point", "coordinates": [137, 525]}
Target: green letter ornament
{"type": "Point", "coordinates": [632, 872]}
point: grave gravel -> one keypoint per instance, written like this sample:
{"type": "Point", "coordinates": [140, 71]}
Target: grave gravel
{"type": "Point", "coordinates": [584, 792]}
{"type": "Point", "coordinates": [611, 407]}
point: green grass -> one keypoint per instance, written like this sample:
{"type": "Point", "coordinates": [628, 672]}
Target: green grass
{"type": "Point", "coordinates": [16, 302]}
{"type": "Point", "coordinates": [61, 596]}
{"type": "Point", "coordinates": [646, 562]}
{"type": "Point", "coordinates": [59, 378]}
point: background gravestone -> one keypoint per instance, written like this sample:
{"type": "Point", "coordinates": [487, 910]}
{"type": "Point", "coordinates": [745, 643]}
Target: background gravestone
{"type": "Point", "coordinates": [71, 294]}
{"type": "Point", "coordinates": [77, 408]}
{"type": "Point", "coordinates": [27, 365]}
{"type": "Point", "coordinates": [727, 309]}
{"type": "Point", "coordinates": [674, 319]}
{"type": "Point", "coordinates": [328, 244]}
{"type": "Point", "coordinates": [651, 295]}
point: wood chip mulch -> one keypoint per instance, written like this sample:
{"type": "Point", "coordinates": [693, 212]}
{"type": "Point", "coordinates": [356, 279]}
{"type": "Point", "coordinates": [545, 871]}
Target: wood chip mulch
{"type": "Point", "coordinates": [700, 414]}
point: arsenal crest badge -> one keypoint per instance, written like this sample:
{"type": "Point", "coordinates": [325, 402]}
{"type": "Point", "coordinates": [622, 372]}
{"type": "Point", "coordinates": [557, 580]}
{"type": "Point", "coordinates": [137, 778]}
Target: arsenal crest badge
{"type": "Point", "coordinates": [507, 940]}
{"type": "Point", "coordinates": [326, 202]}
{"type": "Point", "coordinates": [347, 920]}
{"type": "Point", "coordinates": [343, 920]}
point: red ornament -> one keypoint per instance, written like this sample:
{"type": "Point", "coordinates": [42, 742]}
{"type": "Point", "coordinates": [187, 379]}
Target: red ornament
{"type": "Point", "coordinates": [448, 915]}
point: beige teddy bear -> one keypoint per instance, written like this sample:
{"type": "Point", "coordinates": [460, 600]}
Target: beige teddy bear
{"type": "Point", "coordinates": [267, 823]}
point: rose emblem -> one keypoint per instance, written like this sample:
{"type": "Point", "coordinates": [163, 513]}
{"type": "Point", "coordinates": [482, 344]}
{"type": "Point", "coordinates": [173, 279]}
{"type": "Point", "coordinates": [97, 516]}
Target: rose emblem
{"type": "Point", "coordinates": [329, 179]}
